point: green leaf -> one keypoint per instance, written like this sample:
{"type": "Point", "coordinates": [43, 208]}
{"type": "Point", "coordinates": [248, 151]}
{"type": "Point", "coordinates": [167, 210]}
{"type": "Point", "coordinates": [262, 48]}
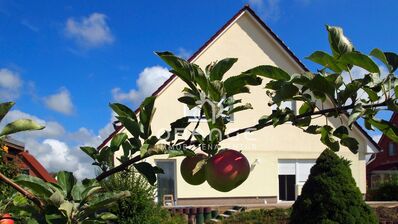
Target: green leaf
{"type": "Point", "coordinates": [189, 101]}
{"type": "Point", "coordinates": [20, 125]}
{"type": "Point", "coordinates": [351, 143]}
{"type": "Point", "coordinates": [146, 114]}
{"type": "Point", "coordinates": [239, 84]}
{"type": "Point", "coordinates": [131, 125]}
{"type": "Point", "coordinates": [326, 60]}
{"type": "Point", "coordinates": [66, 208]}
{"type": "Point", "coordinates": [107, 216]}
{"type": "Point", "coordinates": [77, 191]}
{"type": "Point", "coordinates": [377, 53]}
{"type": "Point", "coordinates": [247, 106]}
{"type": "Point", "coordinates": [199, 166]}
{"type": "Point", "coordinates": [360, 60]}
{"type": "Point", "coordinates": [328, 140]}
{"type": "Point", "coordinates": [90, 151]}
{"type": "Point", "coordinates": [57, 198]}
{"type": "Point", "coordinates": [391, 105]}
{"type": "Point", "coordinates": [181, 152]}
{"type": "Point", "coordinates": [147, 170]}
{"type": "Point", "coordinates": [305, 108]}
{"type": "Point", "coordinates": [117, 141]}
{"type": "Point", "coordinates": [387, 128]}
{"type": "Point", "coordinates": [220, 68]}
{"type": "Point", "coordinates": [392, 59]}
{"type": "Point", "coordinates": [320, 85]}
{"type": "Point", "coordinates": [338, 42]}
{"type": "Point", "coordinates": [123, 110]}
{"type": "Point", "coordinates": [34, 185]}
{"type": "Point", "coordinates": [4, 108]}
{"type": "Point", "coordinates": [270, 72]}
{"type": "Point", "coordinates": [372, 94]}
{"type": "Point", "coordinates": [66, 181]}
{"type": "Point", "coordinates": [341, 132]}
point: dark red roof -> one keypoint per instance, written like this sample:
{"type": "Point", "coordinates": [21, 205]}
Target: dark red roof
{"type": "Point", "coordinates": [284, 46]}
{"type": "Point", "coordinates": [36, 167]}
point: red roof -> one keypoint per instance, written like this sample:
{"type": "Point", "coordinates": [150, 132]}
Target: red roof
{"type": "Point", "coordinates": [222, 29]}
{"type": "Point", "coordinates": [36, 167]}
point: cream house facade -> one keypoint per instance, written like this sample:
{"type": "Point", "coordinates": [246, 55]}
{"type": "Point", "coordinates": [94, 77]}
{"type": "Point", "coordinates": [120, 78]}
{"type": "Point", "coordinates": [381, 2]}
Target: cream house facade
{"type": "Point", "coordinates": [281, 157]}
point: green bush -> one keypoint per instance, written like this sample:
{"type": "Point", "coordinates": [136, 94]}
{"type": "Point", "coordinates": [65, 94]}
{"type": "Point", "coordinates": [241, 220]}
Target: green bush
{"type": "Point", "coordinates": [273, 216]}
{"type": "Point", "coordinates": [140, 206]}
{"type": "Point", "coordinates": [330, 195]}
{"type": "Point", "coordinates": [10, 170]}
{"type": "Point", "coordinates": [387, 191]}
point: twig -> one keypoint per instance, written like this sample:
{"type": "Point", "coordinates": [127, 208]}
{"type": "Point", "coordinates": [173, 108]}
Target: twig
{"type": "Point", "coordinates": [21, 190]}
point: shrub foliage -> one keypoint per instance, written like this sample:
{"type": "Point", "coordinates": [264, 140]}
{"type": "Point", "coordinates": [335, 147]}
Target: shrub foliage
{"type": "Point", "coordinates": [330, 195]}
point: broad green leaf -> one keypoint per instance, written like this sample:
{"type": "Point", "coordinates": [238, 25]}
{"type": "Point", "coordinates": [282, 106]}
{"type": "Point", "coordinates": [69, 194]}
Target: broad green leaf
{"type": "Point", "coordinates": [328, 140]}
{"type": "Point", "coordinates": [387, 128]}
{"type": "Point", "coordinates": [90, 151]}
{"type": "Point", "coordinates": [391, 105]}
{"type": "Point", "coordinates": [181, 152]}
{"type": "Point", "coordinates": [131, 125]}
{"type": "Point", "coordinates": [360, 60]}
{"type": "Point", "coordinates": [66, 180]}
{"type": "Point", "coordinates": [118, 140]}
{"type": "Point", "coordinates": [34, 185]}
{"type": "Point", "coordinates": [147, 170]}
{"type": "Point", "coordinates": [4, 108]}
{"type": "Point", "coordinates": [57, 198]}
{"type": "Point", "coordinates": [326, 60]}
{"type": "Point", "coordinates": [178, 125]}
{"type": "Point", "coordinates": [247, 106]}
{"type": "Point", "coordinates": [305, 108]}
{"type": "Point", "coordinates": [123, 110]}
{"type": "Point", "coordinates": [107, 216]}
{"type": "Point", "coordinates": [189, 101]}
{"type": "Point", "coordinates": [67, 208]}
{"type": "Point", "coordinates": [239, 84]}
{"type": "Point", "coordinates": [77, 191]}
{"type": "Point", "coordinates": [341, 132]}
{"type": "Point", "coordinates": [20, 125]}
{"type": "Point", "coordinates": [320, 85]}
{"type": "Point", "coordinates": [392, 59]}
{"type": "Point", "coordinates": [372, 94]}
{"type": "Point", "coordinates": [146, 113]}
{"type": "Point", "coordinates": [351, 143]}
{"type": "Point", "coordinates": [377, 53]}
{"type": "Point", "coordinates": [338, 42]}
{"type": "Point", "coordinates": [220, 68]}
{"type": "Point", "coordinates": [270, 72]}
{"type": "Point", "coordinates": [350, 91]}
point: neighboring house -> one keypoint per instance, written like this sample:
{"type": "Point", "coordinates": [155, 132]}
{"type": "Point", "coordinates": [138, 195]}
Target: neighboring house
{"type": "Point", "coordinates": [383, 165]}
{"type": "Point", "coordinates": [282, 156]}
{"type": "Point", "coordinates": [16, 153]}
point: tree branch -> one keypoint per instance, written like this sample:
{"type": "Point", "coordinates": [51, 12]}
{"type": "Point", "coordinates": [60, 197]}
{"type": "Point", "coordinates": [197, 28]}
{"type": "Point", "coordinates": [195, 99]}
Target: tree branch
{"type": "Point", "coordinates": [341, 110]}
{"type": "Point", "coordinates": [21, 190]}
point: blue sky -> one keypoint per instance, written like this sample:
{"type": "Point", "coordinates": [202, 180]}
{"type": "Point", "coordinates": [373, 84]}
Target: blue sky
{"type": "Point", "coordinates": [69, 59]}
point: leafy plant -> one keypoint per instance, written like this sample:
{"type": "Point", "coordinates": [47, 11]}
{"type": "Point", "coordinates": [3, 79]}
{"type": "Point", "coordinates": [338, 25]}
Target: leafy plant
{"type": "Point", "coordinates": [267, 216]}
{"type": "Point", "coordinates": [330, 195]}
{"type": "Point", "coordinates": [68, 201]}
{"type": "Point", "coordinates": [139, 207]}
{"type": "Point", "coordinates": [324, 93]}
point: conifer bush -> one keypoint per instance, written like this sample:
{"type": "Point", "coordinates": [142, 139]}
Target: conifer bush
{"type": "Point", "coordinates": [330, 195]}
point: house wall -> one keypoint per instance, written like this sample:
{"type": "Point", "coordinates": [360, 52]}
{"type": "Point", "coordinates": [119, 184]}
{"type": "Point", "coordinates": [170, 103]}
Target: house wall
{"type": "Point", "coordinates": [245, 39]}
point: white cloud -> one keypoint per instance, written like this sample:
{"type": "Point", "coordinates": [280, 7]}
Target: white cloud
{"type": "Point", "coordinates": [90, 32]}
{"type": "Point", "coordinates": [148, 81]}
{"type": "Point", "coordinates": [57, 149]}
{"type": "Point", "coordinates": [269, 9]}
{"type": "Point", "coordinates": [60, 102]}
{"type": "Point", "coordinates": [10, 84]}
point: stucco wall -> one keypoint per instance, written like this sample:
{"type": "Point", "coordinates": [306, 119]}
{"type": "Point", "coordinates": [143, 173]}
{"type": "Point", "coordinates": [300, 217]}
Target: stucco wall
{"type": "Point", "coordinates": [246, 40]}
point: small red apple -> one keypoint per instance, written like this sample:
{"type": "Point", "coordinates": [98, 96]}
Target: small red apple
{"type": "Point", "coordinates": [6, 219]}
{"type": "Point", "coordinates": [187, 167]}
{"type": "Point", "coordinates": [227, 170]}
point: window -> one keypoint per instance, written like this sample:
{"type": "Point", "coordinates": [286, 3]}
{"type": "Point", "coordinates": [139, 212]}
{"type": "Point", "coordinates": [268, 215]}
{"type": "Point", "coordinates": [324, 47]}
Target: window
{"type": "Point", "coordinates": [289, 104]}
{"type": "Point", "coordinates": [392, 149]}
{"type": "Point", "coordinates": [167, 181]}
{"type": "Point", "coordinates": [193, 114]}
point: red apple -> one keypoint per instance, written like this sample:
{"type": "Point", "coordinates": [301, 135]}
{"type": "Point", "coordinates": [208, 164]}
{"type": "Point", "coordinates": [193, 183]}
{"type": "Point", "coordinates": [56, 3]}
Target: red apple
{"type": "Point", "coordinates": [187, 167]}
{"type": "Point", "coordinates": [6, 219]}
{"type": "Point", "coordinates": [227, 170]}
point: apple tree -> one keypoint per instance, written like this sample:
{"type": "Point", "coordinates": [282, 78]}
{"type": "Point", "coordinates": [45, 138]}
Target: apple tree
{"type": "Point", "coordinates": [218, 98]}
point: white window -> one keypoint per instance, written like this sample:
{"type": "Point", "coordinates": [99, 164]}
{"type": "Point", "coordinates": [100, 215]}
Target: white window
{"type": "Point", "coordinates": [193, 114]}
{"type": "Point", "coordinates": [300, 168]}
{"type": "Point", "coordinates": [289, 104]}
{"type": "Point", "coordinates": [392, 149]}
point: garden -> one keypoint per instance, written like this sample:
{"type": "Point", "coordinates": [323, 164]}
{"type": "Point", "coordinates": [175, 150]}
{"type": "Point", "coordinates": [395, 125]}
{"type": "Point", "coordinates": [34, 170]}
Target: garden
{"type": "Point", "coordinates": [125, 192]}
